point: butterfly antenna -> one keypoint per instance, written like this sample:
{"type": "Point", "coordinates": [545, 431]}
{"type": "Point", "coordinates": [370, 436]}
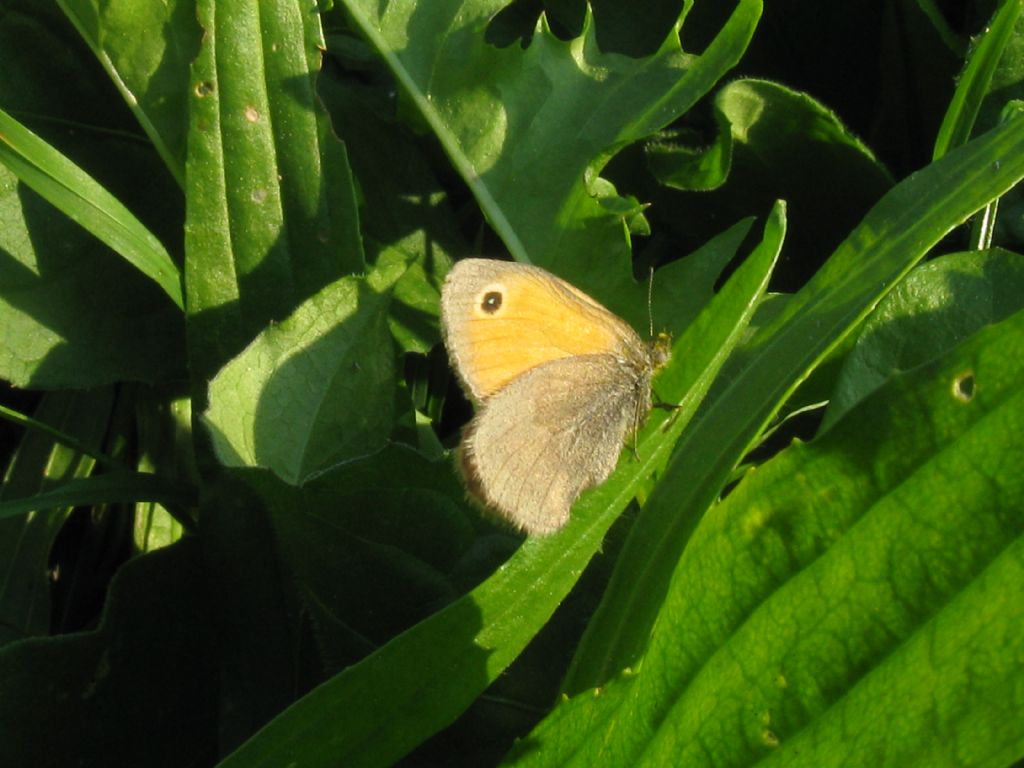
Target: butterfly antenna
{"type": "Point", "coordinates": [650, 303]}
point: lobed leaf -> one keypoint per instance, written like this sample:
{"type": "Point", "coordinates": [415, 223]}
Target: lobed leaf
{"type": "Point", "coordinates": [530, 130]}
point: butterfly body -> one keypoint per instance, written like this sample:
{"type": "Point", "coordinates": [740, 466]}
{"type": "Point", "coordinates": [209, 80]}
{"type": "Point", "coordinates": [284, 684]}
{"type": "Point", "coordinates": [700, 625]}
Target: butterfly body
{"type": "Point", "coordinates": [559, 383]}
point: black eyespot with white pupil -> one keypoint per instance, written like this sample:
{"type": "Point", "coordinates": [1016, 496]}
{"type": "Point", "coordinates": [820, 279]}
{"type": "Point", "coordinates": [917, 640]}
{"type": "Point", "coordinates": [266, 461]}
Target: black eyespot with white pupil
{"type": "Point", "coordinates": [491, 302]}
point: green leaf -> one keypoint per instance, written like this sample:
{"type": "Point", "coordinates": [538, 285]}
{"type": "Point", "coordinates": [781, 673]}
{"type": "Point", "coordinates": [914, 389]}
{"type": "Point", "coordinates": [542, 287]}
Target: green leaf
{"type": "Point", "coordinates": [38, 464]}
{"type": "Point", "coordinates": [77, 195]}
{"type": "Point", "coordinates": [165, 440]}
{"type": "Point", "coordinates": [313, 390]}
{"type": "Point", "coordinates": [155, 527]}
{"type": "Point", "coordinates": [677, 164]}
{"type": "Point", "coordinates": [380, 708]}
{"type": "Point", "coordinates": [402, 201]}
{"type": "Point", "coordinates": [976, 80]}
{"type": "Point", "coordinates": [113, 487]}
{"type": "Point", "coordinates": [271, 221]}
{"type": "Point", "coordinates": [893, 237]}
{"type": "Point", "coordinates": [73, 314]}
{"type": "Point", "coordinates": [938, 305]}
{"type": "Point", "coordinates": [146, 49]}
{"type": "Point", "coordinates": [147, 669]}
{"type": "Point", "coordinates": [854, 601]}
{"type": "Point", "coordinates": [772, 143]}
{"type": "Point", "coordinates": [685, 286]}
{"type": "Point", "coordinates": [271, 209]}
{"type": "Point", "coordinates": [782, 130]}
{"type": "Point", "coordinates": [530, 130]}
{"type": "Point", "coordinates": [259, 649]}
{"type": "Point", "coordinates": [414, 311]}
{"type": "Point", "coordinates": [359, 559]}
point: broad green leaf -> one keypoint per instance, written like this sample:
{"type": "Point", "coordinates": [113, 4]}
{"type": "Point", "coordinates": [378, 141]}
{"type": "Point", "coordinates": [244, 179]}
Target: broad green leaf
{"type": "Point", "coordinates": [73, 192]}
{"type": "Point", "coordinates": [315, 389]}
{"type": "Point", "coordinates": [413, 316]}
{"type": "Point", "coordinates": [855, 601]}
{"type": "Point", "coordinates": [772, 142]}
{"type": "Point", "coordinates": [146, 48]}
{"type": "Point", "coordinates": [259, 648]}
{"type": "Point", "coordinates": [938, 305]}
{"type": "Point", "coordinates": [138, 690]}
{"type": "Point", "coordinates": [271, 221]}
{"type": "Point", "coordinates": [893, 237]}
{"type": "Point", "coordinates": [403, 204]}
{"type": "Point", "coordinates": [373, 546]}
{"type": "Point", "coordinates": [402, 201]}
{"type": "Point", "coordinates": [271, 209]}
{"type": "Point", "coordinates": [530, 130]}
{"type": "Point", "coordinates": [778, 128]}
{"type": "Point", "coordinates": [73, 314]}
{"type": "Point", "coordinates": [380, 708]}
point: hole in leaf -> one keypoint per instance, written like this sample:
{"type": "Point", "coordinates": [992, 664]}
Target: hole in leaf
{"type": "Point", "coordinates": [963, 387]}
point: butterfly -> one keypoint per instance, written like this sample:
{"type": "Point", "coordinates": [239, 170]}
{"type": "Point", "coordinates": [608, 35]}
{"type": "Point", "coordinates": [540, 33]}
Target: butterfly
{"type": "Point", "coordinates": [558, 380]}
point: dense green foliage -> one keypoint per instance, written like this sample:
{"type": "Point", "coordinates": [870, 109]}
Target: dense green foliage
{"type": "Point", "coordinates": [231, 532]}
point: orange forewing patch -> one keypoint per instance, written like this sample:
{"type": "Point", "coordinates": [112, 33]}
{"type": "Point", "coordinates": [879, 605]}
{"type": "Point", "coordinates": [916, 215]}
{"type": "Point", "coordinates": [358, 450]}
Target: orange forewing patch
{"type": "Point", "coordinates": [536, 323]}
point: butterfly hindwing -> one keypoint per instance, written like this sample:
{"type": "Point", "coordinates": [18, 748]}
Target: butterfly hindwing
{"type": "Point", "coordinates": [528, 461]}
